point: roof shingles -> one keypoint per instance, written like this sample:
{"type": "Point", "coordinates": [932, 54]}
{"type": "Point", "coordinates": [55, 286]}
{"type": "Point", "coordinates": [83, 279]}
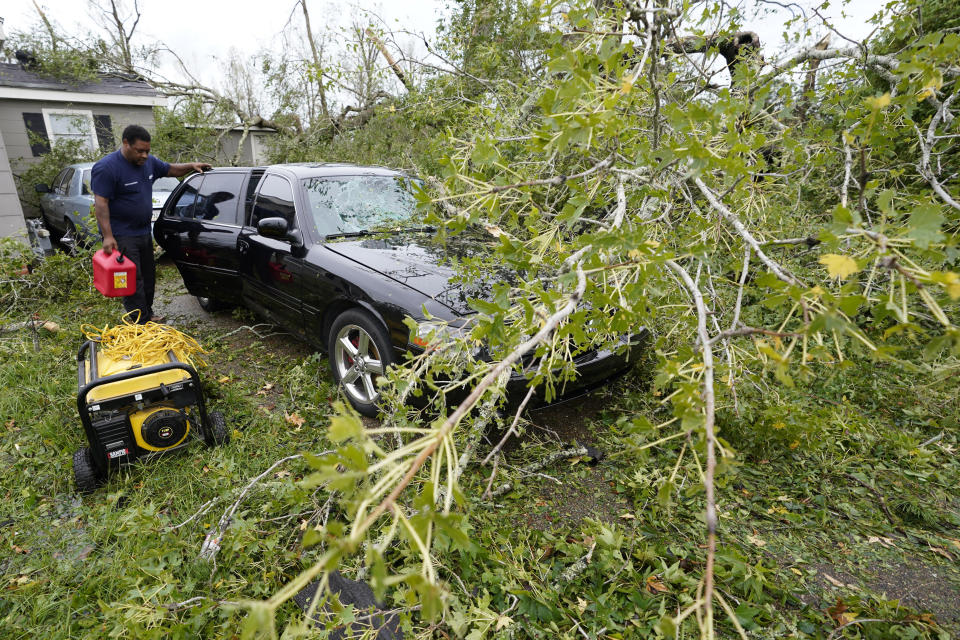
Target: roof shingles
{"type": "Point", "coordinates": [13, 75]}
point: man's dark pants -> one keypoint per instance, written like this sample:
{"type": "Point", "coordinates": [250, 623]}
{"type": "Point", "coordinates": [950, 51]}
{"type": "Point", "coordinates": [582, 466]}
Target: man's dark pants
{"type": "Point", "coordinates": [140, 250]}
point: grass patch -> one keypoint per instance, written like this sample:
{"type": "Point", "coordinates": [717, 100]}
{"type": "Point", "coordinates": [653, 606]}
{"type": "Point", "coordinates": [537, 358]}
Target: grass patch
{"type": "Point", "coordinates": [832, 511]}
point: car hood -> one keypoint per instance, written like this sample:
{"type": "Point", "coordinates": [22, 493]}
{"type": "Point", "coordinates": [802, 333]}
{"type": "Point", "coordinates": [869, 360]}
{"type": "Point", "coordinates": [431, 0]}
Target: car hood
{"type": "Point", "coordinates": [426, 265]}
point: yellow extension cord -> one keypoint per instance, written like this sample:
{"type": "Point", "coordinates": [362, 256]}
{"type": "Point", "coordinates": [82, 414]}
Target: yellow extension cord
{"type": "Point", "coordinates": [146, 343]}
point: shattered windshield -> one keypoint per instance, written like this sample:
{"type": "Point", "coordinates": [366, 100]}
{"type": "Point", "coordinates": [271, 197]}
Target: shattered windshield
{"type": "Point", "coordinates": [349, 204]}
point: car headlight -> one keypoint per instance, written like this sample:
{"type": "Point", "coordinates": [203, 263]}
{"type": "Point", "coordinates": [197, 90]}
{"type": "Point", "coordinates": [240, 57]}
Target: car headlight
{"type": "Point", "coordinates": [429, 333]}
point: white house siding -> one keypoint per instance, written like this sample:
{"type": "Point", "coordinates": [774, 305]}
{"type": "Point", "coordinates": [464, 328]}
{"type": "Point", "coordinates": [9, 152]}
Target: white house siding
{"type": "Point", "coordinates": [11, 215]}
{"type": "Point", "coordinates": [14, 131]}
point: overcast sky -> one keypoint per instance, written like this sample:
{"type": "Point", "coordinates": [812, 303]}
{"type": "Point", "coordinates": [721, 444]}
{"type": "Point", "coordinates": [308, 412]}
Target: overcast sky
{"type": "Point", "coordinates": [204, 30]}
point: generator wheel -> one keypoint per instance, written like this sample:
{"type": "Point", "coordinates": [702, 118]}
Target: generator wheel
{"type": "Point", "coordinates": [219, 434]}
{"type": "Point", "coordinates": [84, 473]}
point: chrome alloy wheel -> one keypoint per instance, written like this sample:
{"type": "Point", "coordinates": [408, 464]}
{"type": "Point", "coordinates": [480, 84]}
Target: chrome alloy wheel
{"type": "Point", "coordinates": [358, 363]}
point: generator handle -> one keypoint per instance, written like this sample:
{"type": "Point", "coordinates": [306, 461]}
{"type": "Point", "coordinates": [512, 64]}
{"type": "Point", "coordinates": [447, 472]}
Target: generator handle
{"type": "Point", "coordinates": [136, 373]}
{"type": "Point", "coordinates": [88, 347]}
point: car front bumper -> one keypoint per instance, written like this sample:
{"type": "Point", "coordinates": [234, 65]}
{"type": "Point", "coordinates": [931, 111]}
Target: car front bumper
{"type": "Point", "coordinates": [593, 370]}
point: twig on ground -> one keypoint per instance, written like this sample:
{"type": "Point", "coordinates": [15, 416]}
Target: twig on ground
{"type": "Point", "coordinates": [196, 601]}
{"type": "Point", "coordinates": [252, 329]}
{"type": "Point", "coordinates": [880, 499]}
{"type": "Point", "coordinates": [931, 440]}
{"type": "Point", "coordinates": [861, 621]}
{"type": "Point", "coordinates": [542, 464]}
{"type": "Point", "coordinates": [578, 567]}
{"type": "Point", "coordinates": [211, 543]}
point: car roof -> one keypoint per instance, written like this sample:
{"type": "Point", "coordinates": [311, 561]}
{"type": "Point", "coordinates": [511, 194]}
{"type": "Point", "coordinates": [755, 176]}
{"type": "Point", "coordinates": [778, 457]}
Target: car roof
{"type": "Point", "coordinates": [321, 169]}
{"type": "Point", "coordinates": [80, 165]}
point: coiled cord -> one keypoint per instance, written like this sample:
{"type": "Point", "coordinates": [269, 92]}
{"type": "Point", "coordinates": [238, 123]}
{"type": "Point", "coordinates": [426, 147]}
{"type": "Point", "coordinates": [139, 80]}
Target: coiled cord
{"type": "Point", "coordinates": [146, 343]}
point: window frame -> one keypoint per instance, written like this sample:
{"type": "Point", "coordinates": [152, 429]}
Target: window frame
{"type": "Point", "coordinates": [170, 206]}
{"type": "Point", "coordinates": [94, 144]}
{"type": "Point", "coordinates": [293, 199]}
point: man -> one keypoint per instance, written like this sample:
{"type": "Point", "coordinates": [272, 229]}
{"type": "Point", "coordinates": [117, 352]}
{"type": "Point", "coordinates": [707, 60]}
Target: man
{"type": "Point", "coordinates": [122, 184]}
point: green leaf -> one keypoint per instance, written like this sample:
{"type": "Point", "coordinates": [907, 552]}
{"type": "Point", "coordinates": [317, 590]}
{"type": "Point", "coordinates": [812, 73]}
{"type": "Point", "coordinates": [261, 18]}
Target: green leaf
{"type": "Point", "coordinates": [344, 425]}
{"type": "Point", "coordinates": [311, 537]}
{"type": "Point", "coordinates": [925, 222]}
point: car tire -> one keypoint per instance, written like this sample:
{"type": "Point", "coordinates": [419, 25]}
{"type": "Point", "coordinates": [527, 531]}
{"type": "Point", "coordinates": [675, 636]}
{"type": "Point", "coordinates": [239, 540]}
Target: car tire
{"type": "Point", "coordinates": [218, 433]}
{"type": "Point", "coordinates": [359, 351]}
{"type": "Point", "coordinates": [84, 472]}
{"type": "Point", "coordinates": [55, 235]}
{"type": "Point", "coordinates": [211, 304]}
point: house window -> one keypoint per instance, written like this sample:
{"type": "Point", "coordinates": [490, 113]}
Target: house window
{"type": "Point", "coordinates": [69, 124]}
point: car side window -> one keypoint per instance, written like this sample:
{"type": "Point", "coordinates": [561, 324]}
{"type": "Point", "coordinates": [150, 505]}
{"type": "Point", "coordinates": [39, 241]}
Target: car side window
{"type": "Point", "coordinates": [85, 183]}
{"type": "Point", "coordinates": [185, 203]}
{"type": "Point", "coordinates": [274, 200]}
{"type": "Point", "coordinates": [64, 188]}
{"type": "Point", "coordinates": [58, 181]}
{"type": "Point", "coordinates": [218, 196]}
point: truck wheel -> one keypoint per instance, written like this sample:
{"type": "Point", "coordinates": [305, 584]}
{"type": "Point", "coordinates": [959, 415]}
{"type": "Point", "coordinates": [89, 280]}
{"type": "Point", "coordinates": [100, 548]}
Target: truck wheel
{"type": "Point", "coordinates": [218, 429]}
{"type": "Point", "coordinates": [84, 473]}
{"type": "Point", "coordinates": [359, 352]}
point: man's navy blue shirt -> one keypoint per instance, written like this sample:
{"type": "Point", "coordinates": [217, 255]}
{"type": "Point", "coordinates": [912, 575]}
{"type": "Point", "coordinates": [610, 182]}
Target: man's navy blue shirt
{"type": "Point", "coordinates": [129, 189]}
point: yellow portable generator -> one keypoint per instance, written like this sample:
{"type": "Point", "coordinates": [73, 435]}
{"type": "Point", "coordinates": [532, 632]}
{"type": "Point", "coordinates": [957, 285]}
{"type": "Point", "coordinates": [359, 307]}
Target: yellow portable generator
{"type": "Point", "coordinates": [136, 407]}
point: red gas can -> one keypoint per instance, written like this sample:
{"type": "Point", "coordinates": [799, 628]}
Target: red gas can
{"type": "Point", "coordinates": [114, 275]}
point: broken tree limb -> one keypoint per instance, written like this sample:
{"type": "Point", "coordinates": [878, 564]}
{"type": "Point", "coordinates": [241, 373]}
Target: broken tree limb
{"type": "Point", "coordinates": [536, 467]}
{"type": "Point", "coordinates": [211, 543]}
{"type": "Point", "coordinates": [570, 573]}
{"type": "Point", "coordinates": [549, 326]}
{"type": "Point", "coordinates": [708, 421]}
{"type": "Point", "coordinates": [734, 47]}
{"type": "Point", "coordinates": [52, 327]}
{"type": "Point", "coordinates": [397, 71]}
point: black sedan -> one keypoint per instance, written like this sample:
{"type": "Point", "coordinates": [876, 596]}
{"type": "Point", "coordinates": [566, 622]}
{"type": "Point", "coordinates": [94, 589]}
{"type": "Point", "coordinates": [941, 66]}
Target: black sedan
{"type": "Point", "coordinates": [334, 254]}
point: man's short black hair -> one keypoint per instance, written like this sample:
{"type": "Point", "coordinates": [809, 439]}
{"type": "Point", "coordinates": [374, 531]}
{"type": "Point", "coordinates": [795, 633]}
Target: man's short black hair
{"type": "Point", "coordinates": [135, 132]}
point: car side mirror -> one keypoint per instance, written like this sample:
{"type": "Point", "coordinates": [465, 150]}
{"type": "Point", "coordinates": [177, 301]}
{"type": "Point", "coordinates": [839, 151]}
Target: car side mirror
{"type": "Point", "coordinates": [273, 228]}
{"type": "Point", "coordinates": [41, 188]}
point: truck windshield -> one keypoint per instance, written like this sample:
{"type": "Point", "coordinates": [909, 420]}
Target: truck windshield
{"type": "Point", "coordinates": [348, 204]}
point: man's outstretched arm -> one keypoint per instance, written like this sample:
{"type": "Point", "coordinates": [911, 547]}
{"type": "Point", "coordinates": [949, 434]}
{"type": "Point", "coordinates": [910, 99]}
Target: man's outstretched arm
{"type": "Point", "coordinates": [182, 169]}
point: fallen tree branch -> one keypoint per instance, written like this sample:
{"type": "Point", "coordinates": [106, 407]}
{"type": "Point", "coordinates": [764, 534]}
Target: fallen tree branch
{"type": "Point", "coordinates": [543, 464]}
{"type": "Point", "coordinates": [52, 327]}
{"type": "Point", "coordinates": [555, 181]}
{"type": "Point", "coordinates": [211, 543]}
{"type": "Point", "coordinates": [730, 217]}
{"type": "Point", "coordinates": [454, 419]}
{"type": "Point", "coordinates": [708, 422]}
